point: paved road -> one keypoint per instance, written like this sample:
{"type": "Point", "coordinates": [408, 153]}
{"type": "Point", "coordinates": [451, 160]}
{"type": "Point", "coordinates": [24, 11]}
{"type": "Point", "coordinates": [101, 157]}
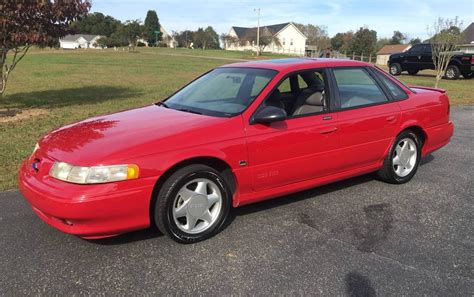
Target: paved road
{"type": "Point", "coordinates": [360, 237]}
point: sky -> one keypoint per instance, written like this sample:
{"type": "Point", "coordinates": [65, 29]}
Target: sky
{"type": "Point", "coordinates": [412, 17]}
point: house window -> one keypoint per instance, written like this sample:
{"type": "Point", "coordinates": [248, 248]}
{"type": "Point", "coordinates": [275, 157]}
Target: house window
{"type": "Point", "coordinates": [284, 41]}
{"type": "Point", "coordinates": [291, 41]}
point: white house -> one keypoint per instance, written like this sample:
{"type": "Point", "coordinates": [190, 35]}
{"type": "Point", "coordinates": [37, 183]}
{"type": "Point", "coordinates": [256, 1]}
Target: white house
{"type": "Point", "coordinates": [79, 41]}
{"type": "Point", "coordinates": [291, 39]}
{"type": "Point", "coordinates": [166, 39]}
{"type": "Point", "coordinates": [384, 53]}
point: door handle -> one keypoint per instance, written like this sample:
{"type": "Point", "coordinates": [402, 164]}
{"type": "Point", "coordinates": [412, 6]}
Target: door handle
{"type": "Point", "coordinates": [391, 118]}
{"type": "Point", "coordinates": [327, 118]}
{"type": "Point", "coordinates": [330, 130]}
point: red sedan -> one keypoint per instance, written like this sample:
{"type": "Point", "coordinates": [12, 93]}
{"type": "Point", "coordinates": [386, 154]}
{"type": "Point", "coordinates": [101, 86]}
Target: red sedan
{"type": "Point", "coordinates": [238, 134]}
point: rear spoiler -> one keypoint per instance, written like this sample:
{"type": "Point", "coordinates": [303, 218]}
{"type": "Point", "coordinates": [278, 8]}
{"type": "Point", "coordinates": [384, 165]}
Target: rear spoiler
{"type": "Point", "coordinates": [443, 91]}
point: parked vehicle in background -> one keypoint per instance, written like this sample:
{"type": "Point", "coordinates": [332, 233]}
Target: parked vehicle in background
{"type": "Point", "coordinates": [239, 134]}
{"type": "Point", "coordinates": [420, 57]}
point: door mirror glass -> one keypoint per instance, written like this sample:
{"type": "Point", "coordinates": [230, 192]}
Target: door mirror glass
{"type": "Point", "coordinates": [270, 114]}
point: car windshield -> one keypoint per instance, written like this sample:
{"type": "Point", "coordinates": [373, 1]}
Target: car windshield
{"type": "Point", "coordinates": [221, 92]}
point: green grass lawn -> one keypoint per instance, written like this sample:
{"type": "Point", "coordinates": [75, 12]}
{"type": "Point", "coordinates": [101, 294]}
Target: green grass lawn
{"type": "Point", "coordinates": [73, 85]}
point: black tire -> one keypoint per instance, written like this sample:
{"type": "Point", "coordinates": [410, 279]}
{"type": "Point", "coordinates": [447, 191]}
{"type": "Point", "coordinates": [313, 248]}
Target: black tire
{"type": "Point", "coordinates": [387, 172]}
{"type": "Point", "coordinates": [164, 203]}
{"type": "Point", "coordinates": [452, 72]}
{"type": "Point", "coordinates": [413, 72]}
{"type": "Point", "coordinates": [395, 69]}
{"type": "Point", "coordinates": [468, 75]}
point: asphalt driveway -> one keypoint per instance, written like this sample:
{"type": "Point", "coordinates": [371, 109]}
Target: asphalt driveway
{"type": "Point", "coordinates": [359, 237]}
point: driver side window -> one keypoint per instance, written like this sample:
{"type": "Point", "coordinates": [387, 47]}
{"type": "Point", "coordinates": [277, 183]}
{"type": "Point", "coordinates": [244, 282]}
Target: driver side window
{"type": "Point", "coordinates": [301, 94]}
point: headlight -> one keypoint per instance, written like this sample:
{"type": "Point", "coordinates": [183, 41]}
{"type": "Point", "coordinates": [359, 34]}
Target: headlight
{"type": "Point", "coordinates": [93, 175]}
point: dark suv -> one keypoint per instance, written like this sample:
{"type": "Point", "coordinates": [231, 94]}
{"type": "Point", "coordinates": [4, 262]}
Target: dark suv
{"type": "Point", "coordinates": [420, 57]}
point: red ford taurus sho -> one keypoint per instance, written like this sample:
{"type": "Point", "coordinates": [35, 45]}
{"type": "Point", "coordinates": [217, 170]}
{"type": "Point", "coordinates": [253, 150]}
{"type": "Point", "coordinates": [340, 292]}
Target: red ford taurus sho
{"type": "Point", "coordinates": [238, 134]}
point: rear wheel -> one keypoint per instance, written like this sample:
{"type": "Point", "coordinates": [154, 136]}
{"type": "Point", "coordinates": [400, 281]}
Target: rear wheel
{"type": "Point", "coordinates": [413, 72]}
{"type": "Point", "coordinates": [452, 72]}
{"type": "Point", "coordinates": [395, 69]}
{"type": "Point", "coordinates": [193, 204]}
{"type": "Point", "coordinates": [402, 162]}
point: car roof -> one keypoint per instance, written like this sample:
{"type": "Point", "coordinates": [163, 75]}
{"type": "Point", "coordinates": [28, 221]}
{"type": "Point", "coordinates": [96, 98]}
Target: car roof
{"type": "Point", "coordinates": [292, 64]}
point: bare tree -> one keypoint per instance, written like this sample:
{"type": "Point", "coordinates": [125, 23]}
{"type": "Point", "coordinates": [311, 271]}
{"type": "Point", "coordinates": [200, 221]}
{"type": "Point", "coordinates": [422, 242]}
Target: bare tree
{"type": "Point", "coordinates": [229, 40]}
{"type": "Point", "coordinates": [446, 35]}
{"type": "Point", "coordinates": [266, 38]}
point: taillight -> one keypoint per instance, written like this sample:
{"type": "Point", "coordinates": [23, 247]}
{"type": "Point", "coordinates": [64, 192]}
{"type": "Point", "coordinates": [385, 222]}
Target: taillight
{"type": "Point", "coordinates": [449, 108]}
{"type": "Point", "coordinates": [472, 60]}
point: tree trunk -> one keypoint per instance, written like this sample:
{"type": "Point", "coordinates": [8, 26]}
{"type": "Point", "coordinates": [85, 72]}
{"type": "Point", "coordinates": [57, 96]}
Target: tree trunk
{"type": "Point", "coordinates": [7, 69]}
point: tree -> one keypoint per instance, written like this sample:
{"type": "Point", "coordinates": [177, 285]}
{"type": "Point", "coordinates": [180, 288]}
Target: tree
{"type": "Point", "coordinates": [97, 24]}
{"type": "Point", "coordinates": [381, 43]}
{"type": "Point", "coordinates": [266, 38]}
{"type": "Point", "coordinates": [415, 41]}
{"type": "Point", "coordinates": [446, 35]}
{"type": "Point", "coordinates": [317, 35]}
{"type": "Point", "coordinates": [24, 23]}
{"type": "Point", "coordinates": [183, 38]}
{"type": "Point", "coordinates": [342, 41]}
{"type": "Point", "coordinates": [131, 31]}
{"type": "Point", "coordinates": [229, 40]}
{"type": "Point", "coordinates": [397, 38]}
{"type": "Point", "coordinates": [151, 26]}
{"type": "Point", "coordinates": [364, 41]}
{"type": "Point", "coordinates": [213, 38]}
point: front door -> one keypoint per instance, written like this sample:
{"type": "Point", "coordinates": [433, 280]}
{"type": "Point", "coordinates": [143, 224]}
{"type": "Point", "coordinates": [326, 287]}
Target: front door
{"type": "Point", "coordinates": [301, 147]}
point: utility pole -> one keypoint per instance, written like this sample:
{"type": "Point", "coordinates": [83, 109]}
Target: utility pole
{"type": "Point", "coordinates": [258, 30]}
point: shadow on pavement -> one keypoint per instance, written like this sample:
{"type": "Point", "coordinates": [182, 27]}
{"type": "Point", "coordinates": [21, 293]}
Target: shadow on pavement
{"type": "Point", "coordinates": [358, 285]}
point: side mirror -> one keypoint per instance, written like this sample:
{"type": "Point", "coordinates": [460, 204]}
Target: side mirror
{"type": "Point", "coordinates": [269, 114]}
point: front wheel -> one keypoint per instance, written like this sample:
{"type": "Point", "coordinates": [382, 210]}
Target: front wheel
{"type": "Point", "coordinates": [395, 69]}
{"type": "Point", "coordinates": [192, 204]}
{"type": "Point", "coordinates": [402, 162]}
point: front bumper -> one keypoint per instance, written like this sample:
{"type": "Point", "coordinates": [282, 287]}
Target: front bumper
{"type": "Point", "coordinates": [88, 211]}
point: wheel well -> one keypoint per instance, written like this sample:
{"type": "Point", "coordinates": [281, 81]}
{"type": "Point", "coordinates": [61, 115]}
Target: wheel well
{"type": "Point", "coordinates": [419, 132]}
{"type": "Point", "coordinates": [215, 163]}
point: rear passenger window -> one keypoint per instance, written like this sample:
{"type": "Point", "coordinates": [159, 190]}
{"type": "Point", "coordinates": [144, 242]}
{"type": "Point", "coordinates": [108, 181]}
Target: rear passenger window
{"type": "Point", "coordinates": [357, 88]}
{"type": "Point", "coordinates": [395, 90]}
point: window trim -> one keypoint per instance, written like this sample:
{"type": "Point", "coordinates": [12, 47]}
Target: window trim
{"type": "Point", "coordinates": [376, 81]}
{"type": "Point", "coordinates": [377, 73]}
{"type": "Point", "coordinates": [328, 87]}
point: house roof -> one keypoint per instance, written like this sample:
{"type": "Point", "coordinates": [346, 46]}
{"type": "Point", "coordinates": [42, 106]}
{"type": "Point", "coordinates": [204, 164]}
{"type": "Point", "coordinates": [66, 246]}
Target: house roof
{"type": "Point", "coordinates": [469, 33]}
{"type": "Point", "coordinates": [74, 37]}
{"type": "Point", "coordinates": [245, 33]}
{"type": "Point", "coordinates": [393, 48]}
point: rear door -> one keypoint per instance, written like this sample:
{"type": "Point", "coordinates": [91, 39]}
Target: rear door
{"type": "Point", "coordinates": [366, 119]}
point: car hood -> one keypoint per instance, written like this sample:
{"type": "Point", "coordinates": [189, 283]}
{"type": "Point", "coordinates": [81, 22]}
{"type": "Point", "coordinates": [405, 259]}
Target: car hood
{"type": "Point", "coordinates": [137, 132]}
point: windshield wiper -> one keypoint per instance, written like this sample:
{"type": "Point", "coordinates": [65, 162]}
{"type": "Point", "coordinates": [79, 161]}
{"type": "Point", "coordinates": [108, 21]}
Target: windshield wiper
{"type": "Point", "coordinates": [189, 110]}
{"type": "Point", "coordinates": [162, 104]}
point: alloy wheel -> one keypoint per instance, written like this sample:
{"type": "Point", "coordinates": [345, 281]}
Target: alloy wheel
{"type": "Point", "coordinates": [404, 157]}
{"type": "Point", "coordinates": [197, 206]}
